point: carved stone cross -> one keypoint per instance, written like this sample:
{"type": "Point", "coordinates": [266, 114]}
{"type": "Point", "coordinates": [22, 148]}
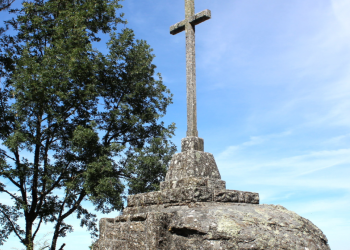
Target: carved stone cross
{"type": "Point", "coordinates": [191, 20]}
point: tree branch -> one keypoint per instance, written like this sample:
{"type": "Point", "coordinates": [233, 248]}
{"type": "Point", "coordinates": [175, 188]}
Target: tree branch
{"type": "Point", "coordinates": [43, 190]}
{"type": "Point", "coordinates": [36, 163]}
{"type": "Point", "coordinates": [61, 248]}
{"type": "Point", "coordinates": [21, 178]}
{"type": "Point", "coordinates": [13, 227]}
{"type": "Point", "coordinates": [12, 195]}
{"type": "Point", "coordinates": [4, 6]}
{"type": "Point", "coordinates": [109, 129]}
{"type": "Point", "coordinates": [3, 152]}
{"type": "Point", "coordinates": [75, 206]}
{"type": "Point", "coordinates": [37, 229]}
{"type": "Point", "coordinates": [12, 180]}
{"type": "Point", "coordinates": [41, 198]}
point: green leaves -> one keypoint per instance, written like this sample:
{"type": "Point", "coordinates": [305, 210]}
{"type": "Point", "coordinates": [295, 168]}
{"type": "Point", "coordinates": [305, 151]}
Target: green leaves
{"type": "Point", "coordinates": [15, 140]}
{"type": "Point", "coordinates": [147, 167]}
{"type": "Point", "coordinates": [8, 218]}
{"type": "Point", "coordinates": [83, 139]}
{"type": "Point", "coordinates": [74, 121]}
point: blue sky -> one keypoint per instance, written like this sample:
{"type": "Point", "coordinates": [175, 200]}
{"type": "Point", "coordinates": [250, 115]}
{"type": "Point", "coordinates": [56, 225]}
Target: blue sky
{"type": "Point", "coordinates": [273, 98]}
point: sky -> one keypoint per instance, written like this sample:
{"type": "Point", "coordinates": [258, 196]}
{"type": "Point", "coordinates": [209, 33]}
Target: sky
{"type": "Point", "coordinates": [273, 100]}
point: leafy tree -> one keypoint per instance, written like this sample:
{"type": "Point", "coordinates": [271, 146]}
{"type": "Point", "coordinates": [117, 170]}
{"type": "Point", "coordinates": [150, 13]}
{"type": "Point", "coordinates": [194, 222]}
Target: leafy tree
{"type": "Point", "coordinates": [76, 124]}
{"type": "Point", "coordinates": [146, 166]}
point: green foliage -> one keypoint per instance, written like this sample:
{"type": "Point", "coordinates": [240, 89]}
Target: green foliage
{"type": "Point", "coordinates": [148, 166]}
{"type": "Point", "coordinates": [76, 124]}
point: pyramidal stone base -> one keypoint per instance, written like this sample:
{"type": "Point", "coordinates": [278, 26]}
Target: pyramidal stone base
{"type": "Point", "coordinates": [194, 210]}
{"type": "Point", "coordinates": [193, 176]}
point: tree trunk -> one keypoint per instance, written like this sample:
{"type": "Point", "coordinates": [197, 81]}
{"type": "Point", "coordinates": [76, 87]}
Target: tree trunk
{"type": "Point", "coordinates": [55, 235]}
{"type": "Point", "coordinates": [28, 242]}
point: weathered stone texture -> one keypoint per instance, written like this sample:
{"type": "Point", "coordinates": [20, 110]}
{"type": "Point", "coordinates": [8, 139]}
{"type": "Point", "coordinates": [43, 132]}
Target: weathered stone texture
{"type": "Point", "coordinates": [189, 195]}
{"type": "Point", "coordinates": [192, 164]}
{"type": "Point", "coordinates": [192, 143]}
{"type": "Point", "coordinates": [138, 231]}
{"type": "Point", "coordinates": [200, 17]}
{"type": "Point", "coordinates": [193, 182]}
{"type": "Point", "coordinates": [212, 226]}
{"type": "Point", "coordinates": [191, 20]}
{"type": "Point", "coordinates": [193, 209]}
{"type": "Point", "coordinates": [194, 20]}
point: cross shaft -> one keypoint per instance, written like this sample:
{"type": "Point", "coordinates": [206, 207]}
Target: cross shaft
{"type": "Point", "coordinates": [191, 20]}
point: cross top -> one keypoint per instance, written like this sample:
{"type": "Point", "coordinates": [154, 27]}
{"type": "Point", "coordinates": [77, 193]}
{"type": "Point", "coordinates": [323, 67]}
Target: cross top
{"type": "Point", "coordinates": [191, 20]}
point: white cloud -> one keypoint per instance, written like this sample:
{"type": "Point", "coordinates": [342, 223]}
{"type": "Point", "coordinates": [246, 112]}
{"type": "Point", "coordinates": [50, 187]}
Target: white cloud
{"type": "Point", "coordinates": [341, 10]}
{"type": "Point", "coordinates": [338, 140]}
{"type": "Point", "coordinates": [305, 63]}
{"type": "Point", "coordinates": [324, 205]}
{"type": "Point", "coordinates": [309, 170]}
{"type": "Point", "coordinates": [253, 141]}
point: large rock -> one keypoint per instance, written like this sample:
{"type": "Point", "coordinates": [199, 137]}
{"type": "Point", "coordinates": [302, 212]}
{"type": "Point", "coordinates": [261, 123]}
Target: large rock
{"type": "Point", "coordinates": [194, 210]}
{"type": "Point", "coordinates": [210, 225]}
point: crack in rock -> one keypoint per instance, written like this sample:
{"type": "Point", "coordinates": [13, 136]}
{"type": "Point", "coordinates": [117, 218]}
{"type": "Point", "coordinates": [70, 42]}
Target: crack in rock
{"type": "Point", "coordinates": [186, 232]}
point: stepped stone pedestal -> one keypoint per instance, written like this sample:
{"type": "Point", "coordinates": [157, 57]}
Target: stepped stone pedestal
{"type": "Point", "coordinates": [192, 177]}
{"type": "Point", "coordinates": [194, 210]}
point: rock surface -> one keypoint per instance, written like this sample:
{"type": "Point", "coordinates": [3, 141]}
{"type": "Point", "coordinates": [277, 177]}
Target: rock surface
{"type": "Point", "coordinates": [211, 225]}
{"type": "Point", "coordinates": [139, 202]}
{"type": "Point", "coordinates": [192, 163]}
{"type": "Point", "coordinates": [194, 210]}
{"type": "Point", "coordinates": [192, 143]}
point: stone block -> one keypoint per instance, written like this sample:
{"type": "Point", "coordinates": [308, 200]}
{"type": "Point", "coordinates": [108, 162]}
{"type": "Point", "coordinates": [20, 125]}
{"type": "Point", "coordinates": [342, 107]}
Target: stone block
{"type": "Point", "coordinates": [137, 231]}
{"type": "Point", "coordinates": [138, 217]}
{"type": "Point", "coordinates": [117, 245]}
{"type": "Point", "coordinates": [192, 143]}
{"type": "Point", "coordinates": [189, 195]}
{"type": "Point", "coordinates": [152, 198]}
{"type": "Point", "coordinates": [241, 198]}
{"type": "Point", "coordinates": [252, 198]}
{"type": "Point", "coordinates": [136, 200]}
{"type": "Point", "coordinates": [122, 231]}
{"type": "Point", "coordinates": [216, 184]}
{"type": "Point", "coordinates": [131, 201]}
{"type": "Point", "coordinates": [166, 196]}
{"type": "Point", "coordinates": [106, 228]}
{"type": "Point", "coordinates": [193, 182]}
{"type": "Point", "coordinates": [190, 164]}
{"type": "Point", "coordinates": [121, 218]}
{"type": "Point", "coordinates": [226, 196]}
{"type": "Point", "coordinates": [236, 196]}
{"type": "Point", "coordinates": [157, 230]}
{"type": "Point", "coordinates": [137, 226]}
{"type": "Point", "coordinates": [203, 194]}
{"type": "Point", "coordinates": [163, 185]}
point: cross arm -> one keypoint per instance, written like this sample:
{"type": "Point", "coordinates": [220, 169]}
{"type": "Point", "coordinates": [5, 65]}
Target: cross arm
{"type": "Point", "coordinates": [194, 20]}
{"type": "Point", "coordinates": [177, 27]}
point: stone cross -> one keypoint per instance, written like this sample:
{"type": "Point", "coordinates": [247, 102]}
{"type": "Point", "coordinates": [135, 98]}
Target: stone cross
{"type": "Point", "coordinates": [191, 20]}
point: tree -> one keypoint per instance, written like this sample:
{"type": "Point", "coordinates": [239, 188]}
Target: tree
{"type": "Point", "coordinates": [5, 4]}
{"type": "Point", "coordinates": [76, 124]}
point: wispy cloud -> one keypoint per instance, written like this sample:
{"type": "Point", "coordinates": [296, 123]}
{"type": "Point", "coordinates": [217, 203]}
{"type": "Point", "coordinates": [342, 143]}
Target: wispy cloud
{"type": "Point", "coordinates": [324, 205]}
{"type": "Point", "coordinates": [273, 170]}
{"type": "Point", "coordinates": [253, 141]}
{"type": "Point", "coordinates": [341, 10]}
